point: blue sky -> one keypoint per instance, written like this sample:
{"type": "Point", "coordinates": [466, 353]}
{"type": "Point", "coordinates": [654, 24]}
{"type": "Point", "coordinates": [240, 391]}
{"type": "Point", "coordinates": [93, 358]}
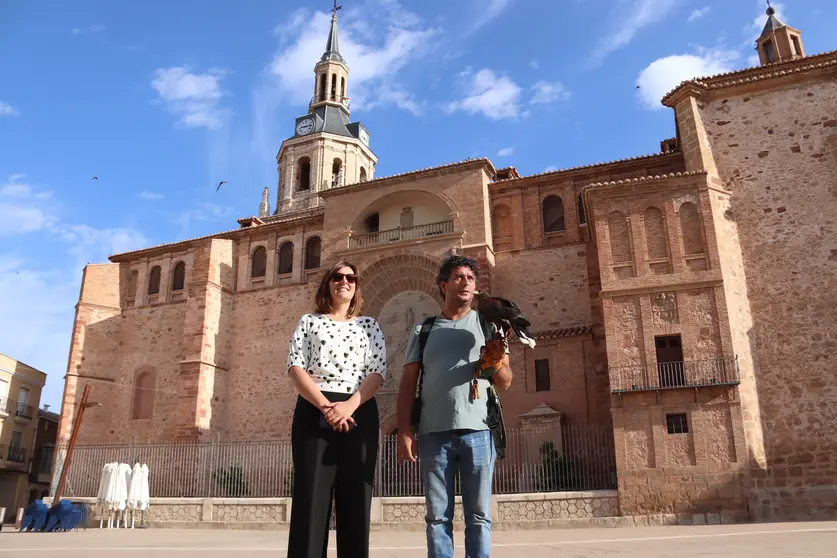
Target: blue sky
{"type": "Point", "coordinates": [162, 100]}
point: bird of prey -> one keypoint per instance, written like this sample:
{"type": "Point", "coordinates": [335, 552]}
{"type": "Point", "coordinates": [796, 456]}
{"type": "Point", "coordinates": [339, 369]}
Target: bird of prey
{"type": "Point", "coordinates": [95, 178]}
{"type": "Point", "coordinates": [506, 315]}
{"type": "Point", "coordinates": [219, 185]}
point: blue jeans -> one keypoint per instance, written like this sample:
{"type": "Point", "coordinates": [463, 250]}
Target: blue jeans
{"type": "Point", "coordinates": [474, 453]}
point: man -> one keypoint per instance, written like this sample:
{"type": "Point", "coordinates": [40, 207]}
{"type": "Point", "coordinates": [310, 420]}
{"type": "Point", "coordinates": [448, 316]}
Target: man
{"type": "Point", "coordinates": [453, 431]}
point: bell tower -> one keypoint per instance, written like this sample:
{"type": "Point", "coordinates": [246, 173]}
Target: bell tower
{"type": "Point", "coordinates": [778, 42]}
{"type": "Point", "coordinates": [327, 150]}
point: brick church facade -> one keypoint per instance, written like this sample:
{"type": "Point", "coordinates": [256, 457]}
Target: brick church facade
{"type": "Point", "coordinates": [687, 298]}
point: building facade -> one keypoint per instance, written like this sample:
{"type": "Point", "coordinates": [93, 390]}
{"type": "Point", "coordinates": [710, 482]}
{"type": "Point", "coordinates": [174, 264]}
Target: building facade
{"type": "Point", "coordinates": [20, 395]}
{"type": "Point", "coordinates": [685, 298]}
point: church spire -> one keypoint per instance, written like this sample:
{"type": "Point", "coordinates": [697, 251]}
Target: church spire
{"type": "Point", "coordinates": [264, 207]}
{"type": "Point", "coordinates": [332, 51]}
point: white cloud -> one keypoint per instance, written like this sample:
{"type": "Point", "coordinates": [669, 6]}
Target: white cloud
{"type": "Point", "coordinates": [549, 92]}
{"type": "Point", "coordinates": [374, 61]}
{"type": "Point", "coordinates": [146, 195]}
{"type": "Point", "coordinates": [664, 74]}
{"type": "Point", "coordinates": [534, 64]}
{"type": "Point", "coordinates": [497, 97]}
{"type": "Point", "coordinates": [755, 28]}
{"type": "Point", "coordinates": [21, 208]}
{"type": "Point", "coordinates": [550, 168]}
{"type": "Point", "coordinates": [8, 110]}
{"type": "Point", "coordinates": [208, 212]}
{"type": "Point", "coordinates": [753, 60]}
{"type": "Point", "coordinates": [88, 29]}
{"type": "Point", "coordinates": [487, 12]}
{"type": "Point", "coordinates": [629, 17]}
{"type": "Point", "coordinates": [92, 245]}
{"type": "Point", "coordinates": [505, 152]}
{"type": "Point", "coordinates": [698, 13]}
{"type": "Point", "coordinates": [193, 98]}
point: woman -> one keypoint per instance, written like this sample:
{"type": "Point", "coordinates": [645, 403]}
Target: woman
{"type": "Point", "coordinates": [337, 361]}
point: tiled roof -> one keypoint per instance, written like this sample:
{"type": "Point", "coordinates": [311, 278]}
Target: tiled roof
{"type": "Point", "coordinates": [638, 179]}
{"type": "Point", "coordinates": [759, 73]}
{"type": "Point", "coordinates": [483, 160]}
{"type": "Point", "coordinates": [590, 166]}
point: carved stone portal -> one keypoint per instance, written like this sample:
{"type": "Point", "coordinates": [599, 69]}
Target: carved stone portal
{"type": "Point", "coordinates": [664, 308]}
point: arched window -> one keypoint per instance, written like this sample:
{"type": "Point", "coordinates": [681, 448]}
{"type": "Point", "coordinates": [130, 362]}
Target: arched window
{"type": "Point", "coordinates": [154, 280]}
{"type": "Point", "coordinates": [337, 173]}
{"type": "Point", "coordinates": [333, 87]}
{"type": "Point", "coordinates": [620, 242]}
{"type": "Point", "coordinates": [656, 238]}
{"type": "Point", "coordinates": [322, 96]}
{"type": "Point", "coordinates": [145, 385]}
{"type": "Point", "coordinates": [259, 266]}
{"type": "Point", "coordinates": [303, 174]}
{"type": "Point", "coordinates": [502, 221]}
{"type": "Point", "coordinates": [178, 278]}
{"type": "Point", "coordinates": [343, 89]}
{"type": "Point", "coordinates": [691, 228]}
{"type": "Point", "coordinates": [286, 258]}
{"type": "Point", "coordinates": [582, 217]}
{"type": "Point", "coordinates": [362, 174]}
{"type": "Point", "coordinates": [312, 253]}
{"type": "Point", "coordinates": [553, 214]}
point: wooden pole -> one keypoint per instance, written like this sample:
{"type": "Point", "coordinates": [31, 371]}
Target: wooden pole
{"type": "Point", "coordinates": [73, 437]}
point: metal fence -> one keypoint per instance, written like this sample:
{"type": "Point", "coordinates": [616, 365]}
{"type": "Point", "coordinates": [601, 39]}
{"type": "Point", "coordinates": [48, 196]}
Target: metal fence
{"type": "Point", "coordinates": [577, 457]}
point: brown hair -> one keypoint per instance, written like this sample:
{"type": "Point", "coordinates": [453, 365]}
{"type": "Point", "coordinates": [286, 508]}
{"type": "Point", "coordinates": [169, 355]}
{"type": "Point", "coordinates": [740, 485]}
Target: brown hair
{"type": "Point", "coordinates": [322, 301]}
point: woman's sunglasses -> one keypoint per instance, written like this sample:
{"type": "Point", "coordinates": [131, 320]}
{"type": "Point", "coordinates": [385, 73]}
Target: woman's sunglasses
{"type": "Point", "coordinates": [350, 277]}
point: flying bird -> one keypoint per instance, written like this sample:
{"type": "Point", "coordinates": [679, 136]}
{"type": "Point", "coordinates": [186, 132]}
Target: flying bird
{"type": "Point", "coordinates": [219, 185]}
{"type": "Point", "coordinates": [95, 178]}
{"type": "Point", "coordinates": [506, 315]}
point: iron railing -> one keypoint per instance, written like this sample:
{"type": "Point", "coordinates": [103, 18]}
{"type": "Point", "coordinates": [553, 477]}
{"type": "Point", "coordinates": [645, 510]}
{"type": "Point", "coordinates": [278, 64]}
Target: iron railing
{"type": "Point", "coordinates": [576, 457]}
{"type": "Point", "coordinates": [15, 454]}
{"type": "Point", "coordinates": [6, 405]}
{"type": "Point", "coordinates": [670, 375]}
{"type": "Point", "coordinates": [342, 99]}
{"type": "Point", "coordinates": [399, 234]}
{"type": "Point", "coordinates": [24, 411]}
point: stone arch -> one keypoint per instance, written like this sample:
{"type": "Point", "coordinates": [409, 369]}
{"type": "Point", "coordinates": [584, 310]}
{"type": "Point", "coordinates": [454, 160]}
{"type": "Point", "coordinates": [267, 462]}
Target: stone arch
{"type": "Point", "coordinates": [392, 275]}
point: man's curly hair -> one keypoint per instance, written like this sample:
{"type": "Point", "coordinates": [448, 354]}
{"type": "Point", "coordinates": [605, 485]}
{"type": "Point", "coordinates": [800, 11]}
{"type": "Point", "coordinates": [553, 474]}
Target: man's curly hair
{"type": "Point", "coordinates": [451, 263]}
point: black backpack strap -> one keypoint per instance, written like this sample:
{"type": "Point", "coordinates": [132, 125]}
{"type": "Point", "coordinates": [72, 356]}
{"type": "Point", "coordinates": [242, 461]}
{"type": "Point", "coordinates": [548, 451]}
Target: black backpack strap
{"type": "Point", "coordinates": [424, 333]}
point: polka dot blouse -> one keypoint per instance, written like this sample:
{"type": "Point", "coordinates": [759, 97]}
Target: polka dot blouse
{"type": "Point", "coordinates": [338, 355]}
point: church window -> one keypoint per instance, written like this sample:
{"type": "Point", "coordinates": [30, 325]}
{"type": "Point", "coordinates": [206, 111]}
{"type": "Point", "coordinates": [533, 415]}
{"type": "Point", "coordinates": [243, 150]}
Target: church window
{"type": "Point", "coordinates": [178, 279]}
{"type": "Point", "coordinates": [145, 384]}
{"type": "Point", "coordinates": [303, 170]}
{"type": "Point", "coordinates": [363, 174]}
{"type": "Point", "coordinates": [677, 423]}
{"type": "Point", "coordinates": [322, 95]}
{"type": "Point", "coordinates": [312, 253]}
{"type": "Point", "coordinates": [259, 263]}
{"type": "Point", "coordinates": [620, 240]}
{"type": "Point", "coordinates": [343, 89]}
{"type": "Point", "coordinates": [333, 87]}
{"type": "Point", "coordinates": [795, 46]}
{"type": "Point", "coordinates": [373, 222]}
{"type": "Point", "coordinates": [337, 173]}
{"type": "Point", "coordinates": [553, 214]}
{"type": "Point", "coordinates": [770, 51]}
{"type": "Point", "coordinates": [542, 382]}
{"type": "Point", "coordinates": [154, 280]}
{"type": "Point", "coordinates": [655, 234]}
{"type": "Point", "coordinates": [286, 258]}
{"type": "Point", "coordinates": [691, 228]}
{"type": "Point", "coordinates": [582, 217]}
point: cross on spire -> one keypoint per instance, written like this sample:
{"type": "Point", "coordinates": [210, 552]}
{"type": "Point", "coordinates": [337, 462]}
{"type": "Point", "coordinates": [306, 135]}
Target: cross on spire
{"type": "Point", "coordinates": [335, 9]}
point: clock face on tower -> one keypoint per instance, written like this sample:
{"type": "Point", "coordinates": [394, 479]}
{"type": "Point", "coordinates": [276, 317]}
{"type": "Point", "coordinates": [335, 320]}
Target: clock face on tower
{"type": "Point", "coordinates": [305, 126]}
{"type": "Point", "coordinates": [364, 137]}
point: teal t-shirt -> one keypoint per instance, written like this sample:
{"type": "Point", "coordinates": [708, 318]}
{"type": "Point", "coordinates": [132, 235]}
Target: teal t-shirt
{"type": "Point", "coordinates": [450, 357]}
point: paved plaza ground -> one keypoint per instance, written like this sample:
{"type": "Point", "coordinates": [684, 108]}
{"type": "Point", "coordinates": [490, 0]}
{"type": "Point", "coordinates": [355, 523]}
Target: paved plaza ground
{"type": "Point", "coordinates": [811, 540]}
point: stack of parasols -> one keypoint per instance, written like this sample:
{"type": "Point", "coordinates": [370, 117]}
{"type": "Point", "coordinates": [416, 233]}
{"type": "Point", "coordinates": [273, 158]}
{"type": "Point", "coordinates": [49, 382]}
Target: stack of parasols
{"type": "Point", "coordinates": [122, 489]}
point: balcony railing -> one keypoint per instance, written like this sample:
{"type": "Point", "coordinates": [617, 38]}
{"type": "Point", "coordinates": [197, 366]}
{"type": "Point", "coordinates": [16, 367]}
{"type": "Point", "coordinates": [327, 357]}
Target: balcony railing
{"type": "Point", "coordinates": [14, 454]}
{"type": "Point", "coordinates": [23, 410]}
{"type": "Point", "coordinates": [671, 375]}
{"type": "Point", "coordinates": [5, 405]}
{"type": "Point", "coordinates": [343, 100]}
{"type": "Point", "coordinates": [399, 234]}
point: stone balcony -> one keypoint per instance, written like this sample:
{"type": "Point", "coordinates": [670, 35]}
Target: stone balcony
{"type": "Point", "coordinates": [400, 234]}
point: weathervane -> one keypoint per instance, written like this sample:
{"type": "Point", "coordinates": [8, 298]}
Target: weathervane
{"type": "Point", "coordinates": [336, 8]}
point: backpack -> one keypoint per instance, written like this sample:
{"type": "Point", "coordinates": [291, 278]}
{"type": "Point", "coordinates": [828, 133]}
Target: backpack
{"type": "Point", "coordinates": [494, 420]}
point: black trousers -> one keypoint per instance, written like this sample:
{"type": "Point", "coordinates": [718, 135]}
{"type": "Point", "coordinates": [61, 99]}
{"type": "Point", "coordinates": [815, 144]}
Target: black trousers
{"type": "Point", "coordinates": [329, 463]}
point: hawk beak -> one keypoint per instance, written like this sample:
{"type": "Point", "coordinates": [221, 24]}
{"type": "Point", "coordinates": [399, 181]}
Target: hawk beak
{"type": "Point", "coordinates": [475, 292]}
